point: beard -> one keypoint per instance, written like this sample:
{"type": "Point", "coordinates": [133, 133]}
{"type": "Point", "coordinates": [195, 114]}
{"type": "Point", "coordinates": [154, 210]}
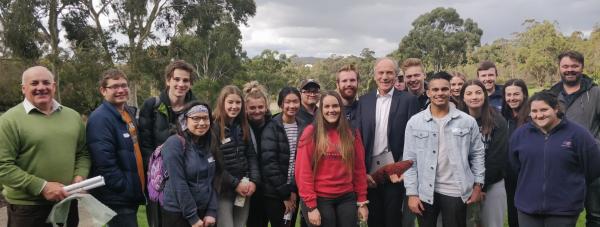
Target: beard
{"type": "Point", "coordinates": [577, 75]}
{"type": "Point", "coordinates": [347, 96]}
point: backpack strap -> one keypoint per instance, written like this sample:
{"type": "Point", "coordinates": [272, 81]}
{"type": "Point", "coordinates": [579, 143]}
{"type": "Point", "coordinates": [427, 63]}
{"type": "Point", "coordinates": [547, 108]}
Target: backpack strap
{"type": "Point", "coordinates": [156, 102]}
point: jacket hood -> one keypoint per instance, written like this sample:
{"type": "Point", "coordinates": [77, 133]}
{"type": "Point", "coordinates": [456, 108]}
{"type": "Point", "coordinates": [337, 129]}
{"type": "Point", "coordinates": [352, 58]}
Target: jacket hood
{"type": "Point", "coordinates": [586, 84]}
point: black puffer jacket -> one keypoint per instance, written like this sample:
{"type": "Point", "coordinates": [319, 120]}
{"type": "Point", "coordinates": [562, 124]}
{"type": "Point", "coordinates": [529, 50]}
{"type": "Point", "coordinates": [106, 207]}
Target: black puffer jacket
{"type": "Point", "coordinates": [239, 157]}
{"type": "Point", "coordinates": [275, 159]}
{"type": "Point", "coordinates": [157, 122]}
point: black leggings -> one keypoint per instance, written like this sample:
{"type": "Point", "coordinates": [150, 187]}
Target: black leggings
{"type": "Point", "coordinates": [335, 212]}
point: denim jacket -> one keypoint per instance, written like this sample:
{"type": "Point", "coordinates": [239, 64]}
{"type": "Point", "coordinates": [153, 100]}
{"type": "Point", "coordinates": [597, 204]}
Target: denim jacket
{"type": "Point", "coordinates": [421, 146]}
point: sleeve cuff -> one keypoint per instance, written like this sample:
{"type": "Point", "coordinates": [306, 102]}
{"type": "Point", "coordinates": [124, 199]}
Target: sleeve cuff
{"type": "Point", "coordinates": [311, 203]}
{"type": "Point", "coordinates": [43, 186]}
{"type": "Point", "coordinates": [211, 213]}
{"type": "Point", "coordinates": [193, 219]}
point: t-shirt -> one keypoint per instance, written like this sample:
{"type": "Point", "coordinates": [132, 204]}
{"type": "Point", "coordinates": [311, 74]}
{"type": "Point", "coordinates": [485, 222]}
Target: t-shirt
{"type": "Point", "coordinates": [445, 183]}
{"type": "Point", "coordinates": [291, 131]}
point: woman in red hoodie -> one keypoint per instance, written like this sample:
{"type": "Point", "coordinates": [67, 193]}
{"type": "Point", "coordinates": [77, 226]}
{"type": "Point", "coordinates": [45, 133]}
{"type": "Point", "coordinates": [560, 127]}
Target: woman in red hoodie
{"type": "Point", "coordinates": [330, 168]}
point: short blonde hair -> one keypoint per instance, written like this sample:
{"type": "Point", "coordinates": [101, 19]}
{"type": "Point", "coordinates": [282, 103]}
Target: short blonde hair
{"type": "Point", "coordinates": [411, 62]}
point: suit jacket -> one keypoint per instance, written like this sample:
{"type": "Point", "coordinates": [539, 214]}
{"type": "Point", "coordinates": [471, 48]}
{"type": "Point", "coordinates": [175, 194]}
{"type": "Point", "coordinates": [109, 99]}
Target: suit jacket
{"type": "Point", "coordinates": [404, 105]}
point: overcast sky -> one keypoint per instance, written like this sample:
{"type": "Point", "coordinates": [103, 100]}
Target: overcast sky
{"type": "Point", "coordinates": [343, 27]}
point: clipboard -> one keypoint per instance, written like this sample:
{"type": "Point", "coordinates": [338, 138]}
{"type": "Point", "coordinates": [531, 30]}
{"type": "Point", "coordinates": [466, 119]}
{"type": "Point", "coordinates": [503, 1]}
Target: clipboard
{"type": "Point", "coordinates": [381, 160]}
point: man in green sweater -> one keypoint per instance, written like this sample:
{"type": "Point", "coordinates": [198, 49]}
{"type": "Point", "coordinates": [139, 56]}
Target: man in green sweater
{"type": "Point", "coordinates": [42, 149]}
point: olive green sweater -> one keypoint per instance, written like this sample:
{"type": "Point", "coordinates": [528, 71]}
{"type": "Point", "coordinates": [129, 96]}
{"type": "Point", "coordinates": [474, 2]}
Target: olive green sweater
{"type": "Point", "coordinates": [35, 148]}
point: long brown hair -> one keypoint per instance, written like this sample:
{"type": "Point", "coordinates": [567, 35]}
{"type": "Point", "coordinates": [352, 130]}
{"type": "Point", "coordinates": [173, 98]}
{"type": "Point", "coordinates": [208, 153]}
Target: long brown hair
{"type": "Point", "coordinates": [320, 140]}
{"type": "Point", "coordinates": [487, 119]}
{"type": "Point", "coordinates": [221, 117]}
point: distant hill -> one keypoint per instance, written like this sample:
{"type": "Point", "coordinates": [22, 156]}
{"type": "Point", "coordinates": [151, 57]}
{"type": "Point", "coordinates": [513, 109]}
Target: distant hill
{"type": "Point", "coordinates": [306, 60]}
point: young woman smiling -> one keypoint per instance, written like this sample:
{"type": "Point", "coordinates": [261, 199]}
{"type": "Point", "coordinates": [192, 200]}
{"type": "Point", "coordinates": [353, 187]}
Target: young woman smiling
{"type": "Point", "coordinates": [515, 98]}
{"type": "Point", "coordinates": [239, 158]}
{"type": "Point", "coordinates": [278, 147]}
{"type": "Point", "coordinates": [555, 159]}
{"type": "Point", "coordinates": [494, 131]}
{"type": "Point", "coordinates": [193, 164]}
{"type": "Point", "coordinates": [330, 168]}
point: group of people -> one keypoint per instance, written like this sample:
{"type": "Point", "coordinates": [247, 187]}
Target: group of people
{"type": "Point", "coordinates": [444, 152]}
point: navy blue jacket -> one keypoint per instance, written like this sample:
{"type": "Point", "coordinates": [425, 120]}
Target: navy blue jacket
{"type": "Point", "coordinates": [111, 149]}
{"type": "Point", "coordinates": [189, 188]}
{"type": "Point", "coordinates": [404, 105]}
{"type": "Point", "coordinates": [553, 168]}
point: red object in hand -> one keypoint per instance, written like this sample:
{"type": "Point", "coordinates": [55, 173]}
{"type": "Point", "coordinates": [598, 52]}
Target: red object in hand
{"type": "Point", "coordinates": [382, 175]}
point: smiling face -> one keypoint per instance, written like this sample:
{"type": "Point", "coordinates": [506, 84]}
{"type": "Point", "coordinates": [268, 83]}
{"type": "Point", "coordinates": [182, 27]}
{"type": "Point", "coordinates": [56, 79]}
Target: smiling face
{"type": "Point", "coordinates": [116, 91]}
{"type": "Point", "coordinates": [180, 83]}
{"type": "Point", "coordinates": [474, 97]}
{"type": "Point", "coordinates": [290, 105]}
{"type": "Point", "coordinates": [331, 109]}
{"type": "Point", "coordinates": [256, 109]}
{"type": "Point", "coordinates": [570, 70]}
{"type": "Point", "coordinates": [385, 74]}
{"type": "Point", "coordinates": [414, 78]}
{"type": "Point", "coordinates": [39, 87]}
{"type": "Point", "coordinates": [543, 115]}
{"type": "Point", "coordinates": [232, 105]}
{"type": "Point", "coordinates": [347, 84]}
{"type": "Point", "coordinates": [488, 78]}
{"type": "Point", "coordinates": [198, 123]}
{"type": "Point", "coordinates": [456, 84]}
{"type": "Point", "coordinates": [514, 96]}
{"type": "Point", "coordinates": [439, 92]}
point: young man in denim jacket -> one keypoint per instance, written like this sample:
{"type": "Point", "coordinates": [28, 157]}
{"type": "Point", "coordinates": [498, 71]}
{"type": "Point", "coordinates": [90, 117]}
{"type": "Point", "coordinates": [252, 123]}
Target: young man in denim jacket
{"type": "Point", "coordinates": [448, 154]}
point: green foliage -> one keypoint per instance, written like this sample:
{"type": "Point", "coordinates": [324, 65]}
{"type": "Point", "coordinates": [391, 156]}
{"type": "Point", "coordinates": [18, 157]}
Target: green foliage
{"type": "Point", "coordinates": [538, 47]}
{"type": "Point", "coordinates": [20, 34]}
{"type": "Point", "coordinates": [440, 38]}
{"type": "Point", "coordinates": [10, 83]}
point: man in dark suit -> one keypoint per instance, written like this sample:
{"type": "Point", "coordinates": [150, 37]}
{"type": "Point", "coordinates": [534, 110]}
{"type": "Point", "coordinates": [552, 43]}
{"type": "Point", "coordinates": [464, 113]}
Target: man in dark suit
{"type": "Point", "coordinates": [382, 116]}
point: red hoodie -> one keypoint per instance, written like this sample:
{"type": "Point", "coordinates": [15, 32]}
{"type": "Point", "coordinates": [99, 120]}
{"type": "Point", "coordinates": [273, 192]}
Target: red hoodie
{"type": "Point", "coordinates": [332, 179]}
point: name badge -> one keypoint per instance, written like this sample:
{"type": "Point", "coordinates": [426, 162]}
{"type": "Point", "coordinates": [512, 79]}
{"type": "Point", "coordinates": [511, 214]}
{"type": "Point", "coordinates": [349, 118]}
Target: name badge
{"type": "Point", "coordinates": [211, 160]}
{"type": "Point", "coordinates": [126, 135]}
{"type": "Point", "coordinates": [226, 140]}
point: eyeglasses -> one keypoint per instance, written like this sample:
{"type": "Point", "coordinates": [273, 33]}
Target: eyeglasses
{"type": "Point", "coordinates": [400, 78]}
{"type": "Point", "coordinates": [310, 92]}
{"type": "Point", "coordinates": [198, 119]}
{"type": "Point", "coordinates": [117, 86]}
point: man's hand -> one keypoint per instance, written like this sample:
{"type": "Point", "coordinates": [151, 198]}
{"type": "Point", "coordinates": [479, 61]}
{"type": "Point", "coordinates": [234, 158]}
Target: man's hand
{"type": "Point", "coordinates": [394, 178]}
{"type": "Point", "coordinates": [314, 217]}
{"type": "Point", "coordinates": [370, 182]}
{"type": "Point", "coordinates": [53, 191]}
{"type": "Point", "coordinates": [415, 205]}
{"type": "Point", "coordinates": [476, 195]}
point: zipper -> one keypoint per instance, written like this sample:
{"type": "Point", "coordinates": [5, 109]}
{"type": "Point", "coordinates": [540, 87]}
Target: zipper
{"type": "Point", "coordinates": [544, 167]}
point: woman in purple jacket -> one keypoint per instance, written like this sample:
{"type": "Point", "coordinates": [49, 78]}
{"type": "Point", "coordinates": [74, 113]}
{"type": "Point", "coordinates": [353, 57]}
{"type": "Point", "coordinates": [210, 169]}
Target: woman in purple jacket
{"type": "Point", "coordinates": [555, 160]}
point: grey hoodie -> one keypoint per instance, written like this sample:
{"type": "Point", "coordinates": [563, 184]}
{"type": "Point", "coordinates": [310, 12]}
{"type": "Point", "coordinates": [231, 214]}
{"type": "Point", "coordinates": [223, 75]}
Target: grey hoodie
{"type": "Point", "coordinates": [584, 107]}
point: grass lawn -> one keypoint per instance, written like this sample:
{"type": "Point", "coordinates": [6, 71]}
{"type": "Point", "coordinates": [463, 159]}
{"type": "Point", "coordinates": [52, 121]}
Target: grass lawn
{"type": "Point", "coordinates": [143, 223]}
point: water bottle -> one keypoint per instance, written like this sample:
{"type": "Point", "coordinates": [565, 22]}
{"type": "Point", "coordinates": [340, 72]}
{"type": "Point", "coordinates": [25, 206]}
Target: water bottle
{"type": "Point", "coordinates": [239, 199]}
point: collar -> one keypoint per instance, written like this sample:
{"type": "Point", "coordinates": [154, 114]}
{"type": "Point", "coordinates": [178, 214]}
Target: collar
{"type": "Point", "coordinates": [389, 94]}
{"type": "Point", "coordinates": [29, 106]}
{"type": "Point", "coordinates": [454, 113]}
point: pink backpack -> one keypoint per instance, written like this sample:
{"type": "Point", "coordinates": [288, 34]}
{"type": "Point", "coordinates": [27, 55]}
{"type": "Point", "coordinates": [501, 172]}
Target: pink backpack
{"type": "Point", "coordinates": [157, 174]}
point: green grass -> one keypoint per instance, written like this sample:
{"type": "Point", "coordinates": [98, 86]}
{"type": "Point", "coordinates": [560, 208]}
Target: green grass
{"type": "Point", "coordinates": [141, 215]}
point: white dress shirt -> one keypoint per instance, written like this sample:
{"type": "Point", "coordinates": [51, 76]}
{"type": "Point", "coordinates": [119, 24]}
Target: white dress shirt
{"type": "Point", "coordinates": [382, 114]}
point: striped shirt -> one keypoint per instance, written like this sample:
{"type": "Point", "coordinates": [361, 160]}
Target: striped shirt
{"type": "Point", "coordinates": [291, 131]}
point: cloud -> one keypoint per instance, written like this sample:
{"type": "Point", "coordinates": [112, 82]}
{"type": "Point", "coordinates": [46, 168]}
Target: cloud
{"type": "Point", "coordinates": [343, 27]}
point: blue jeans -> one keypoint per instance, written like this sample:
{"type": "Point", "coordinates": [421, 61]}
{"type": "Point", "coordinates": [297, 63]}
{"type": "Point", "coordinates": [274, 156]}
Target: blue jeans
{"type": "Point", "coordinates": [592, 204]}
{"type": "Point", "coordinates": [126, 216]}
